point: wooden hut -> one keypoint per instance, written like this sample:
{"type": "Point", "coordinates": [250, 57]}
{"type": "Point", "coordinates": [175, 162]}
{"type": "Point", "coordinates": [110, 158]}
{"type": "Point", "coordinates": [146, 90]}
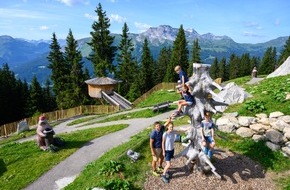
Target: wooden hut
{"type": "Point", "coordinates": [97, 85]}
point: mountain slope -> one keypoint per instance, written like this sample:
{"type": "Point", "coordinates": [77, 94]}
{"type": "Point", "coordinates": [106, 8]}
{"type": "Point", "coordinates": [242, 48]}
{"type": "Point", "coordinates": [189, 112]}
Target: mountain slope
{"type": "Point", "coordinates": [27, 58]}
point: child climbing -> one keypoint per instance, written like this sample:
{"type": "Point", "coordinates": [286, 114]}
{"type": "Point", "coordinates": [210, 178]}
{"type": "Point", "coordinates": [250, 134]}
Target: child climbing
{"type": "Point", "coordinates": [187, 101]}
{"type": "Point", "coordinates": [207, 135]}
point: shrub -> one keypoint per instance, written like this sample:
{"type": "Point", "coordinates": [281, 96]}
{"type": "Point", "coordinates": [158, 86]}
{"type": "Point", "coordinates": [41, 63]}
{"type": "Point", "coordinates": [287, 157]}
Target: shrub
{"type": "Point", "coordinates": [255, 106]}
{"type": "Point", "coordinates": [111, 168]}
{"type": "Point", "coordinates": [116, 183]}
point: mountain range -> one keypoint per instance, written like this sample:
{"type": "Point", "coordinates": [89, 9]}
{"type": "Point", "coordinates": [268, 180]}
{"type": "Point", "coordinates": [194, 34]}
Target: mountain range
{"type": "Point", "coordinates": [27, 58]}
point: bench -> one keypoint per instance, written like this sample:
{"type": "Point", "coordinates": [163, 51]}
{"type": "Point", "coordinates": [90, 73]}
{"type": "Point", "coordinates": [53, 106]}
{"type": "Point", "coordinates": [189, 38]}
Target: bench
{"type": "Point", "coordinates": [161, 106]}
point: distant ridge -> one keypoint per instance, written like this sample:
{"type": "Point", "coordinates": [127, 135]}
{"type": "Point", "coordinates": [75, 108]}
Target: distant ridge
{"type": "Point", "coordinates": [28, 57]}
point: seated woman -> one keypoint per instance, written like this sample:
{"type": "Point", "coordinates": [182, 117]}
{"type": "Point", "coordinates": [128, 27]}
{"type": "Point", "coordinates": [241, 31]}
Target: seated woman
{"type": "Point", "coordinates": [44, 134]}
{"type": "Point", "coordinates": [187, 101]}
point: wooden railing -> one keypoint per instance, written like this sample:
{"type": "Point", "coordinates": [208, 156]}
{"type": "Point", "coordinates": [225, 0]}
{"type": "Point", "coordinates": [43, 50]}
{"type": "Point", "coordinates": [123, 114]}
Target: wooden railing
{"type": "Point", "coordinates": [10, 128]}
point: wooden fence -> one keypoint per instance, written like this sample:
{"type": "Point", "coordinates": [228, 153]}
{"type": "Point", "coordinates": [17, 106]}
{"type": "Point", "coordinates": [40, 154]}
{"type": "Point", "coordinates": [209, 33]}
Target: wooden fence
{"type": "Point", "coordinates": [10, 128]}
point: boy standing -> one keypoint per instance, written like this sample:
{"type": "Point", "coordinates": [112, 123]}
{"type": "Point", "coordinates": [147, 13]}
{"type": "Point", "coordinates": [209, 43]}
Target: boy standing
{"type": "Point", "coordinates": [156, 146]}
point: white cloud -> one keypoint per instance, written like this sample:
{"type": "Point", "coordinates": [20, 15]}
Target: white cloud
{"type": "Point", "coordinates": [250, 34]}
{"type": "Point", "coordinates": [254, 25]}
{"type": "Point", "coordinates": [91, 17]}
{"type": "Point", "coordinates": [117, 18]}
{"type": "Point", "coordinates": [74, 2]}
{"type": "Point", "coordinates": [18, 13]}
{"type": "Point", "coordinates": [142, 27]}
{"type": "Point", "coordinates": [113, 1]}
{"type": "Point", "coordinates": [43, 27]}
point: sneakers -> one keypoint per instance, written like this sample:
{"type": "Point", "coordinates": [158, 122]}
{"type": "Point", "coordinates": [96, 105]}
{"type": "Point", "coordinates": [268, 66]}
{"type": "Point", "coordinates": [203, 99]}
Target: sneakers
{"type": "Point", "coordinates": [155, 174]}
{"type": "Point", "coordinates": [164, 179]}
{"type": "Point", "coordinates": [167, 175]}
{"type": "Point", "coordinates": [160, 169]}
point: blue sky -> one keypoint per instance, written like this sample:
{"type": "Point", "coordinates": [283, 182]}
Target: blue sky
{"type": "Point", "coordinates": [245, 21]}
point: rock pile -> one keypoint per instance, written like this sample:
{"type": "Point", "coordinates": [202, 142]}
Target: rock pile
{"type": "Point", "coordinates": [275, 129]}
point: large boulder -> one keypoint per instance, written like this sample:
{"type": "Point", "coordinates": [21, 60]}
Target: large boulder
{"type": "Point", "coordinates": [231, 94]}
{"type": "Point", "coordinates": [283, 69]}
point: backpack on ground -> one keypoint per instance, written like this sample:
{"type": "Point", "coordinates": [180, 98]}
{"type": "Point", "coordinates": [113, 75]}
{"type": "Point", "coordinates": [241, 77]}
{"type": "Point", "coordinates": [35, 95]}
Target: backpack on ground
{"type": "Point", "coordinates": [133, 155]}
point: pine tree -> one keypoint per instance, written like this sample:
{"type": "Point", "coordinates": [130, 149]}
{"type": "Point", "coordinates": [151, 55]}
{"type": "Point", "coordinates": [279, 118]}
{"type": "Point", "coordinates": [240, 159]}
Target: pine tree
{"type": "Point", "coordinates": [24, 98]}
{"type": "Point", "coordinates": [146, 70]}
{"type": "Point", "coordinates": [37, 104]}
{"type": "Point", "coordinates": [10, 97]}
{"type": "Point", "coordinates": [161, 65]}
{"type": "Point", "coordinates": [195, 56]}
{"type": "Point", "coordinates": [268, 62]}
{"type": "Point", "coordinates": [135, 90]}
{"type": "Point", "coordinates": [60, 72]}
{"type": "Point", "coordinates": [103, 52]}
{"type": "Point", "coordinates": [274, 58]}
{"type": "Point", "coordinates": [48, 97]}
{"type": "Point", "coordinates": [245, 66]}
{"type": "Point", "coordinates": [285, 53]}
{"type": "Point", "coordinates": [88, 99]}
{"type": "Point", "coordinates": [75, 93]}
{"type": "Point", "coordinates": [179, 56]}
{"type": "Point", "coordinates": [223, 70]}
{"type": "Point", "coordinates": [233, 66]}
{"type": "Point", "coordinates": [125, 71]}
{"type": "Point", "coordinates": [214, 69]}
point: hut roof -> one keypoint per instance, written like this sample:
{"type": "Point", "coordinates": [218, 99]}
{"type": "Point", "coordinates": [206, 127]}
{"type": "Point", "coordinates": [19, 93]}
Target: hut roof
{"type": "Point", "coordinates": [102, 81]}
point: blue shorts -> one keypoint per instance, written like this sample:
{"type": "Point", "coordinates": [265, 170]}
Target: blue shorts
{"type": "Point", "coordinates": [169, 154]}
{"type": "Point", "coordinates": [209, 139]}
{"type": "Point", "coordinates": [189, 103]}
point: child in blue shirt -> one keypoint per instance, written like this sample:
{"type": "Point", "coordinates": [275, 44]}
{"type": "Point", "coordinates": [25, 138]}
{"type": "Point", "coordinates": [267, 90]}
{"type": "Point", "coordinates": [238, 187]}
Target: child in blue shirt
{"type": "Point", "coordinates": [207, 135]}
{"type": "Point", "coordinates": [187, 101]}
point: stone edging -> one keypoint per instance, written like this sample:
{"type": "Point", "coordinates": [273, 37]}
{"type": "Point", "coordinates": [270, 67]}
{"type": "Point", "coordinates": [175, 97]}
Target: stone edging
{"type": "Point", "coordinates": [275, 129]}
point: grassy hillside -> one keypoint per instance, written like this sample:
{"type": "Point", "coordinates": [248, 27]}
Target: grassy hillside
{"type": "Point", "coordinates": [114, 168]}
{"type": "Point", "coordinates": [268, 96]}
{"type": "Point", "coordinates": [134, 175]}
